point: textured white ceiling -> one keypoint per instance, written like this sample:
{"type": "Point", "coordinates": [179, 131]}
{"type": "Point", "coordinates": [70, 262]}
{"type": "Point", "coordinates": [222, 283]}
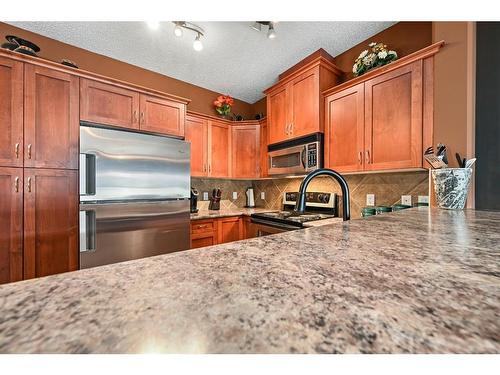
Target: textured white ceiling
{"type": "Point", "coordinates": [236, 59]}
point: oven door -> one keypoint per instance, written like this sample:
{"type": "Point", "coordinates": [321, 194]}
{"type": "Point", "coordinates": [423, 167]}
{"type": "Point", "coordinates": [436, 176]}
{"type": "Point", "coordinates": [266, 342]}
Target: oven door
{"type": "Point", "coordinates": [264, 228]}
{"type": "Point", "coordinates": [289, 160]}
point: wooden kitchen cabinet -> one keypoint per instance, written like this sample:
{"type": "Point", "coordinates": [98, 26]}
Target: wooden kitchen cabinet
{"type": "Point", "coordinates": [203, 233]}
{"type": "Point", "coordinates": [344, 129]}
{"type": "Point", "coordinates": [197, 134]}
{"type": "Point", "coordinates": [393, 119]}
{"type": "Point", "coordinates": [294, 105]}
{"type": "Point", "coordinates": [11, 224]}
{"type": "Point", "coordinates": [107, 104]}
{"type": "Point", "coordinates": [263, 149]}
{"type": "Point", "coordinates": [160, 115]}
{"type": "Point", "coordinates": [245, 151]}
{"type": "Point", "coordinates": [219, 144]}
{"type": "Point", "coordinates": [11, 113]}
{"type": "Point", "coordinates": [51, 122]}
{"type": "Point", "coordinates": [229, 229]}
{"type": "Point", "coordinates": [50, 221]}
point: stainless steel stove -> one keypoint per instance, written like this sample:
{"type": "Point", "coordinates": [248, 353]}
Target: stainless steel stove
{"type": "Point", "coordinates": [318, 206]}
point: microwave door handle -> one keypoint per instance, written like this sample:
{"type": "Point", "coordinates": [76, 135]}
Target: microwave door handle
{"type": "Point", "coordinates": [303, 156]}
{"type": "Point", "coordinates": [87, 174]}
{"type": "Point", "coordinates": [87, 231]}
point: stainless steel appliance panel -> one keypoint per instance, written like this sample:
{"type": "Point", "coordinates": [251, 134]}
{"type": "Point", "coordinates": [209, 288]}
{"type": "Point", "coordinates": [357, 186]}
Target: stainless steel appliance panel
{"type": "Point", "coordinates": [117, 232]}
{"type": "Point", "coordinates": [117, 165]}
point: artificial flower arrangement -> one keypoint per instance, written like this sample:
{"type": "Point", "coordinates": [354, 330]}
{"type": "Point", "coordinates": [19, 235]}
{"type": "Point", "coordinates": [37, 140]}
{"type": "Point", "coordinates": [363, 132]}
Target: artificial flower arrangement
{"type": "Point", "coordinates": [377, 55]}
{"type": "Point", "coordinates": [223, 105]}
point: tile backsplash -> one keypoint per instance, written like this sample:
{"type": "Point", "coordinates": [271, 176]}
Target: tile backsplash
{"type": "Point", "coordinates": [387, 187]}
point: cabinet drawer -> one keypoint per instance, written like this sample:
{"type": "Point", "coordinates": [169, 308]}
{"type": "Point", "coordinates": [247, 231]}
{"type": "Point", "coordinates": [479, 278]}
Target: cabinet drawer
{"type": "Point", "coordinates": [202, 226]}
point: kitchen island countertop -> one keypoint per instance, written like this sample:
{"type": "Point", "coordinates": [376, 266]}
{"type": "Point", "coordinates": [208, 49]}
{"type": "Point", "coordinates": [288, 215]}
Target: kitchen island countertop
{"type": "Point", "coordinates": [414, 281]}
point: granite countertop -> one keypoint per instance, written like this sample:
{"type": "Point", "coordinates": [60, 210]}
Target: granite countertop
{"type": "Point", "coordinates": [213, 214]}
{"type": "Point", "coordinates": [414, 281]}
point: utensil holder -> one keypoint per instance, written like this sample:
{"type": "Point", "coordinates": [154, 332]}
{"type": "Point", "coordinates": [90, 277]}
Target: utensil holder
{"type": "Point", "coordinates": [451, 186]}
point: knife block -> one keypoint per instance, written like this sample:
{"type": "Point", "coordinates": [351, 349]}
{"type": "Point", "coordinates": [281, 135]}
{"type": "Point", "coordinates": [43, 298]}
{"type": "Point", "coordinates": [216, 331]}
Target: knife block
{"type": "Point", "coordinates": [214, 203]}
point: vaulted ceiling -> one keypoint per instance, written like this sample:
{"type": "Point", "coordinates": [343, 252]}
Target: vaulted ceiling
{"type": "Point", "coordinates": [236, 59]}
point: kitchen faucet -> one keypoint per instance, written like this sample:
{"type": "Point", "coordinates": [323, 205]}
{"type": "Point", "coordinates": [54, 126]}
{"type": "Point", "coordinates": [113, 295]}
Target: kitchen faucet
{"type": "Point", "coordinates": [301, 201]}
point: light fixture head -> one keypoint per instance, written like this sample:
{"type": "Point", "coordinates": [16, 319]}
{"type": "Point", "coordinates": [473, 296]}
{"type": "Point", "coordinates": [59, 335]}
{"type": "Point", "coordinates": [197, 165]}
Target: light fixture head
{"type": "Point", "coordinates": [271, 34]}
{"type": "Point", "coordinates": [197, 44]}
{"type": "Point", "coordinates": [153, 25]}
{"type": "Point", "coordinates": [178, 29]}
{"type": "Point", "coordinates": [257, 26]}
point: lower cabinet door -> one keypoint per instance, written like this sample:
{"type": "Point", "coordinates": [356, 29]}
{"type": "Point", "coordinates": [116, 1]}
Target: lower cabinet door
{"type": "Point", "coordinates": [50, 221]}
{"type": "Point", "coordinates": [208, 239]}
{"type": "Point", "coordinates": [229, 229]}
{"type": "Point", "coordinates": [11, 224]}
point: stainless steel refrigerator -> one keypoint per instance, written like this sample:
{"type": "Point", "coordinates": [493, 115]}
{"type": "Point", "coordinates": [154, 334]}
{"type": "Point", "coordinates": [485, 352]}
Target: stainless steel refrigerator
{"type": "Point", "coordinates": [134, 195]}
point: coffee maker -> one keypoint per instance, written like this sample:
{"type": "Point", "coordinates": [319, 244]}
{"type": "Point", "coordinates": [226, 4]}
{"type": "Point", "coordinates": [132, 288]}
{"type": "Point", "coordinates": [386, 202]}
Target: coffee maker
{"type": "Point", "coordinates": [194, 200]}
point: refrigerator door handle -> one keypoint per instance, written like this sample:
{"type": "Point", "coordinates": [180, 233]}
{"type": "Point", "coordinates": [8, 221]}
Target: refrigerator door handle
{"type": "Point", "coordinates": [87, 174]}
{"type": "Point", "coordinates": [87, 231]}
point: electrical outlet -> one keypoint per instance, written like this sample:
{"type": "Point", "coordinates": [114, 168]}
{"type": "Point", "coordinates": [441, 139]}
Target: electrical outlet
{"type": "Point", "coordinates": [263, 195]}
{"type": "Point", "coordinates": [205, 195]}
{"type": "Point", "coordinates": [235, 195]}
{"type": "Point", "coordinates": [406, 199]}
{"type": "Point", "coordinates": [370, 199]}
{"type": "Point", "coordinates": [423, 199]}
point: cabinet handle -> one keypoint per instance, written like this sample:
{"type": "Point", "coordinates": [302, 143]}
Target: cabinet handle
{"type": "Point", "coordinates": [135, 116]}
{"type": "Point", "coordinates": [360, 157]}
{"type": "Point", "coordinates": [29, 184]}
{"type": "Point", "coordinates": [201, 226]}
{"type": "Point", "coordinates": [142, 117]}
{"type": "Point", "coordinates": [367, 156]}
{"type": "Point", "coordinates": [209, 168]}
{"type": "Point", "coordinates": [29, 151]}
{"type": "Point", "coordinates": [16, 147]}
{"type": "Point", "coordinates": [16, 184]}
{"type": "Point", "coordinates": [291, 129]}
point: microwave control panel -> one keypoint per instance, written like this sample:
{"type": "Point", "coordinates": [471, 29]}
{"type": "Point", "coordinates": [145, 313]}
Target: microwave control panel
{"type": "Point", "coordinates": [312, 155]}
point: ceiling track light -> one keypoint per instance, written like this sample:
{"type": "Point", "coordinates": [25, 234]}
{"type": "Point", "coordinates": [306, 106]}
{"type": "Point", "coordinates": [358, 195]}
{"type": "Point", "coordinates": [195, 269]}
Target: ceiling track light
{"type": "Point", "coordinates": [179, 30]}
{"type": "Point", "coordinates": [271, 33]}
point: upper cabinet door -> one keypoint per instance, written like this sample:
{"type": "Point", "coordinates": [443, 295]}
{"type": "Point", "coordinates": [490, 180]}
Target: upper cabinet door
{"type": "Point", "coordinates": [263, 149]}
{"type": "Point", "coordinates": [245, 151]}
{"type": "Point", "coordinates": [219, 141]}
{"type": "Point", "coordinates": [161, 115]}
{"type": "Point", "coordinates": [51, 123]}
{"type": "Point", "coordinates": [107, 104]}
{"type": "Point", "coordinates": [277, 112]}
{"type": "Point", "coordinates": [304, 104]}
{"type": "Point", "coordinates": [11, 113]}
{"type": "Point", "coordinates": [11, 224]}
{"type": "Point", "coordinates": [50, 221]}
{"type": "Point", "coordinates": [344, 130]}
{"type": "Point", "coordinates": [197, 134]}
{"type": "Point", "coordinates": [393, 119]}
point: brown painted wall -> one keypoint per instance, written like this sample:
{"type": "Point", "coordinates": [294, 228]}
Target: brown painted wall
{"type": "Point", "coordinates": [403, 37]}
{"type": "Point", "coordinates": [201, 99]}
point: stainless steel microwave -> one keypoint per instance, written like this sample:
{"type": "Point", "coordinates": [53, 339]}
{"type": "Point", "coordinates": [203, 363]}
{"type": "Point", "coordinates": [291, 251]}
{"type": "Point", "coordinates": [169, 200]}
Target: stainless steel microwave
{"type": "Point", "coordinates": [296, 156]}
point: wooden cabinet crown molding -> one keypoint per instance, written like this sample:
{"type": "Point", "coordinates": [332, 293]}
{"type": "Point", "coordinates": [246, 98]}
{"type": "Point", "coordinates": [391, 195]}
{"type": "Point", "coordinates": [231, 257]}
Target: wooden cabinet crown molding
{"type": "Point", "coordinates": [86, 74]}
{"type": "Point", "coordinates": [222, 120]}
{"type": "Point", "coordinates": [406, 60]}
{"type": "Point", "coordinates": [319, 58]}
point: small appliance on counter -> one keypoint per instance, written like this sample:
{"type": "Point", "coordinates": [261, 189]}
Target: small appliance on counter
{"type": "Point", "coordinates": [215, 200]}
{"type": "Point", "coordinates": [318, 206]}
{"type": "Point", "coordinates": [250, 198]}
{"type": "Point", "coordinates": [194, 200]}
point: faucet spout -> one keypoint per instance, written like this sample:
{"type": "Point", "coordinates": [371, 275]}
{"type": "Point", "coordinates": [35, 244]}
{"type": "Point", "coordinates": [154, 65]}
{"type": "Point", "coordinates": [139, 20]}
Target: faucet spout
{"type": "Point", "coordinates": [300, 206]}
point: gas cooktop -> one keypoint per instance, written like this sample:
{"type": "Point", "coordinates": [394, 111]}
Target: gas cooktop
{"type": "Point", "coordinates": [319, 206]}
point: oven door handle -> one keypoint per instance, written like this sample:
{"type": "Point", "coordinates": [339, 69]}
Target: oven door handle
{"type": "Point", "coordinates": [274, 224]}
{"type": "Point", "coordinates": [303, 156]}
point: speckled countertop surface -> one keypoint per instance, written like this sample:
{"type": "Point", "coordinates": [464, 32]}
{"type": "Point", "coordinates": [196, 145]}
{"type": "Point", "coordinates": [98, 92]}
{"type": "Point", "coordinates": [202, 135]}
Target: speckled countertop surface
{"type": "Point", "coordinates": [213, 214]}
{"type": "Point", "coordinates": [414, 281]}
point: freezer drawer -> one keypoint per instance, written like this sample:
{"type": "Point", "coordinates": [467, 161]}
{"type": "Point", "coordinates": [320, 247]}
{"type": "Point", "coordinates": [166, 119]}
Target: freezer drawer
{"type": "Point", "coordinates": [118, 232]}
